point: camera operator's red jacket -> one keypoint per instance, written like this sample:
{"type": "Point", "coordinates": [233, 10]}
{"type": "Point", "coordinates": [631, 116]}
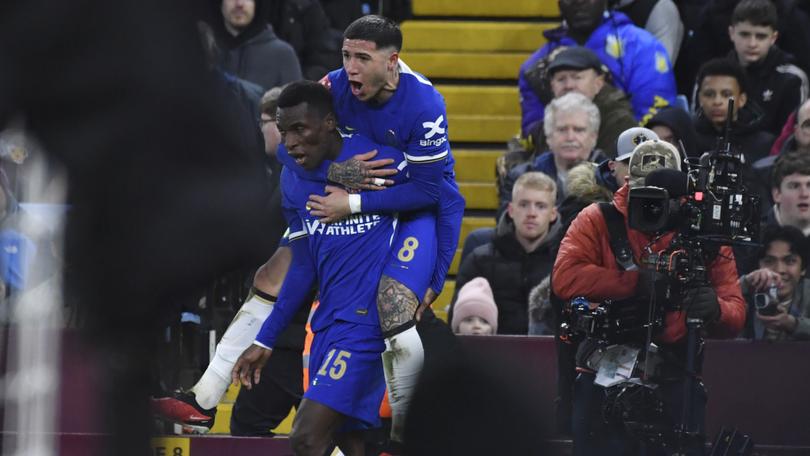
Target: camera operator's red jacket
{"type": "Point", "coordinates": [585, 266]}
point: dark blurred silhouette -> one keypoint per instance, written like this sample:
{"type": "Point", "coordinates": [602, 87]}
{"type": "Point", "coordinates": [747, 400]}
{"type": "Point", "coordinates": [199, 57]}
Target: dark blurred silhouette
{"type": "Point", "coordinates": [163, 198]}
{"type": "Point", "coordinates": [470, 403]}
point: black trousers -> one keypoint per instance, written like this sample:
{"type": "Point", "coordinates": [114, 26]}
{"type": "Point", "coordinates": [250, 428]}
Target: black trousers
{"type": "Point", "coordinates": [259, 410]}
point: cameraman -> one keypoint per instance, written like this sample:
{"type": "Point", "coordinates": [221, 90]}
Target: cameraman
{"type": "Point", "coordinates": [779, 291]}
{"type": "Point", "coordinates": [586, 266]}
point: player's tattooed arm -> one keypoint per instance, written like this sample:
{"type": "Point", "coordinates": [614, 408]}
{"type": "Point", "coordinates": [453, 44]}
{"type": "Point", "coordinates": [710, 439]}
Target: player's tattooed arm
{"type": "Point", "coordinates": [396, 304]}
{"type": "Point", "coordinates": [349, 173]}
{"type": "Point", "coordinates": [362, 173]}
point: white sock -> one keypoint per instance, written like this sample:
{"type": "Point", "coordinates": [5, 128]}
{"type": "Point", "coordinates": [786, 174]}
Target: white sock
{"type": "Point", "coordinates": [402, 361]}
{"type": "Point", "coordinates": [238, 337]}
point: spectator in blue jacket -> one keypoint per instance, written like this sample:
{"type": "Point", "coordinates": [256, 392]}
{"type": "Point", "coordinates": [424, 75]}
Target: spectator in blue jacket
{"type": "Point", "coordinates": [637, 60]}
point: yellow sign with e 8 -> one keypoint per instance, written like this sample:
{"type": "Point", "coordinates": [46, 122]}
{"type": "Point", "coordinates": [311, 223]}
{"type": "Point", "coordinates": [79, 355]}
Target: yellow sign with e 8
{"type": "Point", "coordinates": [170, 446]}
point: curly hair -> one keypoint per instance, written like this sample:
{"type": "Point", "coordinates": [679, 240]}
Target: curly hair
{"type": "Point", "coordinates": [581, 182]}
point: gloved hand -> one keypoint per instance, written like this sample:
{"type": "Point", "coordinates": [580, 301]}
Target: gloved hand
{"type": "Point", "coordinates": [649, 280]}
{"type": "Point", "coordinates": [701, 303]}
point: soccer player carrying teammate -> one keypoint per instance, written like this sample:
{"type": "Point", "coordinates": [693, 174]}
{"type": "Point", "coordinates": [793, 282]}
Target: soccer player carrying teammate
{"type": "Point", "coordinates": [379, 96]}
{"type": "Point", "coordinates": [346, 259]}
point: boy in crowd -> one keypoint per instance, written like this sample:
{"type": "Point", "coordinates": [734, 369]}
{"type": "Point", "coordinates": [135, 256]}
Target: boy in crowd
{"type": "Point", "coordinates": [719, 80]}
{"type": "Point", "coordinates": [775, 84]}
{"type": "Point", "coordinates": [790, 189]}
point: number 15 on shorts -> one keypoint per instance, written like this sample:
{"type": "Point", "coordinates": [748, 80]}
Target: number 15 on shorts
{"type": "Point", "coordinates": [336, 367]}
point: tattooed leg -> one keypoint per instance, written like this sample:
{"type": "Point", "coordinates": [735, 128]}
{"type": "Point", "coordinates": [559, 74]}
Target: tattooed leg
{"type": "Point", "coordinates": [404, 355]}
{"type": "Point", "coordinates": [397, 304]}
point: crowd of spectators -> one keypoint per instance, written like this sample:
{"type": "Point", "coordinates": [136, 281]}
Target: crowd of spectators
{"type": "Point", "coordinates": [611, 67]}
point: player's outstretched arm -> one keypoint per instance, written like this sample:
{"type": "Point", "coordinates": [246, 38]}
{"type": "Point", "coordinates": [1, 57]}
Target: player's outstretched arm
{"type": "Point", "coordinates": [294, 292]}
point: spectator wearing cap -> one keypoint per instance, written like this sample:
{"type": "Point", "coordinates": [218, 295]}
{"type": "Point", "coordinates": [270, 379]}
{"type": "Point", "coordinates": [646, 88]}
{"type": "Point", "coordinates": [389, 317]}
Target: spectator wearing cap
{"type": "Point", "coordinates": [638, 62]}
{"type": "Point", "coordinates": [519, 255]}
{"type": "Point", "coordinates": [475, 312]}
{"type": "Point", "coordinates": [586, 266]}
{"type": "Point", "coordinates": [649, 156]}
{"type": "Point", "coordinates": [571, 125]}
{"type": "Point", "coordinates": [578, 69]}
{"type": "Point", "coordinates": [613, 174]}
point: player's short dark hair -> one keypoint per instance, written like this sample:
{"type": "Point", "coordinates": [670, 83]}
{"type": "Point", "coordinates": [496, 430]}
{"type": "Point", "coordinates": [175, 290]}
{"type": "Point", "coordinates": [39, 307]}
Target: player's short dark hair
{"type": "Point", "coordinates": [379, 30]}
{"type": "Point", "coordinates": [756, 12]}
{"type": "Point", "coordinates": [316, 96]}
{"type": "Point", "coordinates": [791, 162]}
{"type": "Point", "coordinates": [792, 236]}
{"type": "Point", "coordinates": [723, 67]}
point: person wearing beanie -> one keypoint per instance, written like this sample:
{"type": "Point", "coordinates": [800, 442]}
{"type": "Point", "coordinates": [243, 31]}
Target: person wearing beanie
{"type": "Point", "coordinates": [475, 311]}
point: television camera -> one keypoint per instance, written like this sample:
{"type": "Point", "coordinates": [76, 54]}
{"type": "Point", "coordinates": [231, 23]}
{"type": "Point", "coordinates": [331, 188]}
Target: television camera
{"type": "Point", "coordinates": [706, 207]}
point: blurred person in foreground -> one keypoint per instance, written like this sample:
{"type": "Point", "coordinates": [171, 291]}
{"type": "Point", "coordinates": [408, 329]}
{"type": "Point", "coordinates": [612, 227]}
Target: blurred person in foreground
{"type": "Point", "coordinates": [255, 412]}
{"type": "Point", "coordinates": [141, 114]}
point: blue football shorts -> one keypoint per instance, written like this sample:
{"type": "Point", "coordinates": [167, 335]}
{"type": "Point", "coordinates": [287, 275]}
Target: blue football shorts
{"type": "Point", "coordinates": [412, 257]}
{"type": "Point", "coordinates": [349, 377]}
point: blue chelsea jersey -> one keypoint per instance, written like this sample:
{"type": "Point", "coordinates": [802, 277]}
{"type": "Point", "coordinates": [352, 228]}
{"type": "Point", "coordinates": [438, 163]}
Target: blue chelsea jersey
{"type": "Point", "coordinates": [414, 120]}
{"type": "Point", "coordinates": [348, 256]}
